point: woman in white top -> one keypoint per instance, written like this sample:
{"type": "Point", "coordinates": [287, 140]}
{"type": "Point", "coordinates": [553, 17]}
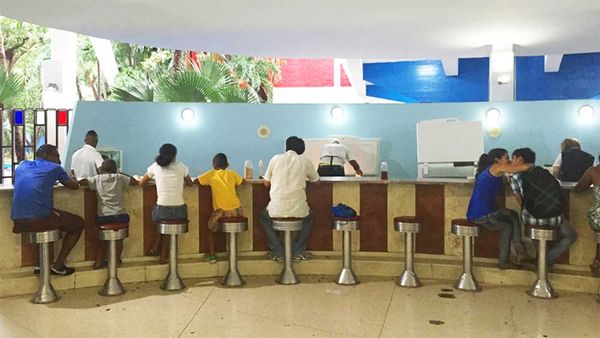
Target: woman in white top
{"type": "Point", "coordinates": [170, 176]}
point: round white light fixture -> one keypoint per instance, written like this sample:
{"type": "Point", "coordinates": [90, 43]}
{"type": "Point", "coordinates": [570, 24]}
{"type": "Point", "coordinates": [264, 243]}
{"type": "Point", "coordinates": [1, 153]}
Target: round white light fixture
{"type": "Point", "coordinates": [187, 115]}
{"type": "Point", "coordinates": [492, 115]}
{"type": "Point", "coordinates": [503, 79]}
{"type": "Point", "coordinates": [337, 113]}
{"type": "Point", "coordinates": [263, 131]}
{"type": "Point", "coordinates": [586, 112]}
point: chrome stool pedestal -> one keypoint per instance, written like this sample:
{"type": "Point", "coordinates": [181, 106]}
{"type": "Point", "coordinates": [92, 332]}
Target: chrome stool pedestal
{"type": "Point", "coordinates": [409, 226]}
{"type": "Point", "coordinates": [45, 293]}
{"type": "Point", "coordinates": [232, 226]}
{"type": "Point", "coordinates": [346, 225]}
{"type": "Point", "coordinates": [173, 228]}
{"type": "Point", "coordinates": [113, 232]}
{"type": "Point", "coordinates": [541, 288]}
{"type": "Point", "coordinates": [467, 230]}
{"type": "Point", "coordinates": [287, 225]}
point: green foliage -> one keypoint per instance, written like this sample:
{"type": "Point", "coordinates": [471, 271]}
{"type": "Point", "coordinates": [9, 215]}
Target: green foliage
{"type": "Point", "coordinates": [11, 85]}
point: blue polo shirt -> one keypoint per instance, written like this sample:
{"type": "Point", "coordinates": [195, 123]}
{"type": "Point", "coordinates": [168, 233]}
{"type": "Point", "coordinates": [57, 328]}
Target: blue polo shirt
{"type": "Point", "coordinates": [34, 180]}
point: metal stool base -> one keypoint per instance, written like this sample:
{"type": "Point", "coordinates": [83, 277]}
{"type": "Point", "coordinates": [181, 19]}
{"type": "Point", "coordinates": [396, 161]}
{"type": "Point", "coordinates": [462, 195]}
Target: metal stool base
{"type": "Point", "coordinates": [173, 281]}
{"type": "Point", "coordinates": [408, 279]}
{"type": "Point", "coordinates": [45, 295]}
{"type": "Point", "coordinates": [112, 287]}
{"type": "Point", "coordinates": [347, 277]}
{"type": "Point", "coordinates": [467, 282]}
{"type": "Point", "coordinates": [542, 289]}
{"type": "Point", "coordinates": [288, 276]}
{"type": "Point", "coordinates": [232, 280]}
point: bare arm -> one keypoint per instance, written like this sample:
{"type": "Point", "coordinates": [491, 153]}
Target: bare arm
{"type": "Point", "coordinates": [84, 182]}
{"type": "Point", "coordinates": [266, 183]}
{"type": "Point", "coordinates": [356, 167]}
{"type": "Point", "coordinates": [586, 181]}
{"type": "Point", "coordinates": [71, 184]}
{"type": "Point", "coordinates": [501, 169]}
{"type": "Point", "coordinates": [188, 181]}
{"type": "Point", "coordinates": [144, 181]}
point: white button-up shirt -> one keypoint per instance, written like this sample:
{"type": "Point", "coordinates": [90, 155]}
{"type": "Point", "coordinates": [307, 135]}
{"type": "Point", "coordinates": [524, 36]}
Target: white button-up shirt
{"type": "Point", "coordinates": [288, 174]}
{"type": "Point", "coordinates": [85, 161]}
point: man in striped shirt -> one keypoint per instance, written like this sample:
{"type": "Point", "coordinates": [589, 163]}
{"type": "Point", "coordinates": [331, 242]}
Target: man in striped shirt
{"type": "Point", "coordinates": [566, 233]}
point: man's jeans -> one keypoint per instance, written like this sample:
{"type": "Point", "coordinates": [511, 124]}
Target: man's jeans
{"type": "Point", "coordinates": [507, 222]}
{"type": "Point", "coordinates": [567, 236]}
{"type": "Point", "coordinates": [299, 245]}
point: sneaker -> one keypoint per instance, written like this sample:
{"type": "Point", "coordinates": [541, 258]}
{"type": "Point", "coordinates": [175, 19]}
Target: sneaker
{"type": "Point", "coordinates": [36, 270]}
{"type": "Point", "coordinates": [277, 259]}
{"type": "Point", "coordinates": [65, 271]}
{"type": "Point", "coordinates": [212, 259]}
{"type": "Point", "coordinates": [302, 257]}
{"type": "Point", "coordinates": [509, 265]}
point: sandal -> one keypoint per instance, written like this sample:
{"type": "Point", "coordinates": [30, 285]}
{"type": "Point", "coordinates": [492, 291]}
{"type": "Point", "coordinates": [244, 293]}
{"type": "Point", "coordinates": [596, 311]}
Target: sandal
{"type": "Point", "coordinates": [595, 268]}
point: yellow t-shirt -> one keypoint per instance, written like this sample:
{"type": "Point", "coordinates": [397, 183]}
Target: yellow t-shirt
{"type": "Point", "coordinates": [223, 183]}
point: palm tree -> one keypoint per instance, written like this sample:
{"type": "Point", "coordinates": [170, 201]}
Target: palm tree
{"type": "Point", "coordinates": [11, 86]}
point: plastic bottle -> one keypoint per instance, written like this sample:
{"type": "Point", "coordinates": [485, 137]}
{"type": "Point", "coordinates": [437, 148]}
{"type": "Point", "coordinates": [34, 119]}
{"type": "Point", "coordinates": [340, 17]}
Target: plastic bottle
{"type": "Point", "coordinates": [384, 170]}
{"type": "Point", "coordinates": [261, 169]}
{"type": "Point", "coordinates": [248, 168]}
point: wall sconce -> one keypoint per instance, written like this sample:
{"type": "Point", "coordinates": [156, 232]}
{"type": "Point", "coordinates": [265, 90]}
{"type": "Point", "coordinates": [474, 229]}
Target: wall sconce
{"type": "Point", "coordinates": [586, 112]}
{"type": "Point", "coordinates": [53, 87]}
{"type": "Point", "coordinates": [503, 79]}
{"type": "Point", "coordinates": [337, 113]}
{"type": "Point", "coordinates": [187, 115]}
{"type": "Point", "coordinates": [492, 115]}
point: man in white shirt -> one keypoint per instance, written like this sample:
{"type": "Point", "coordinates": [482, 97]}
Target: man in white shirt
{"type": "Point", "coordinates": [333, 157]}
{"type": "Point", "coordinates": [86, 161]}
{"type": "Point", "coordinates": [287, 174]}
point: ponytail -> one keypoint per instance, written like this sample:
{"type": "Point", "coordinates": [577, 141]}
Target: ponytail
{"type": "Point", "coordinates": [166, 155]}
{"type": "Point", "coordinates": [486, 160]}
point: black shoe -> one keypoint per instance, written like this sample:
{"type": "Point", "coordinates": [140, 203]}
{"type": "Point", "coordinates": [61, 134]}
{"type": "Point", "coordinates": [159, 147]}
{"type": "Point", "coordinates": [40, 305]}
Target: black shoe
{"type": "Point", "coordinates": [509, 265]}
{"type": "Point", "coordinates": [36, 270]}
{"type": "Point", "coordinates": [65, 271]}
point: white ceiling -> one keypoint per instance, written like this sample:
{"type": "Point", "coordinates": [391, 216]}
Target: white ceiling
{"type": "Point", "coordinates": [375, 29]}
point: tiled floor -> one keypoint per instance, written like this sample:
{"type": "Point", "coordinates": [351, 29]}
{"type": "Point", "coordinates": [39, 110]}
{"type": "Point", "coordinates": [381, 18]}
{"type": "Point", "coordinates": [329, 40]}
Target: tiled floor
{"type": "Point", "coordinates": [315, 308]}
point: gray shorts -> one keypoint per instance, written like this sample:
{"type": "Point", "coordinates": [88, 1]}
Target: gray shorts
{"type": "Point", "coordinates": [169, 212]}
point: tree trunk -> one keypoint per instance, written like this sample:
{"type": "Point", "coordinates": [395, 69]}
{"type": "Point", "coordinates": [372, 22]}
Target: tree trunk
{"type": "Point", "coordinates": [3, 61]}
{"type": "Point", "coordinates": [177, 59]}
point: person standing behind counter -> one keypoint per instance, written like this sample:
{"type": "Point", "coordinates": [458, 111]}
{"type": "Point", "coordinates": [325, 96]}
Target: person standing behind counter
{"type": "Point", "coordinates": [86, 161]}
{"type": "Point", "coordinates": [572, 162]}
{"type": "Point", "coordinates": [333, 157]}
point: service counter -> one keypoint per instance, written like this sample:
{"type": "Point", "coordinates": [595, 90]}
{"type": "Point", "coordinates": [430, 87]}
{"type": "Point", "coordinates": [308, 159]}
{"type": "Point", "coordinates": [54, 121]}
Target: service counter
{"type": "Point", "coordinates": [436, 201]}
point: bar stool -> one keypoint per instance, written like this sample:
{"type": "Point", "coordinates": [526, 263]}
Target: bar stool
{"type": "Point", "coordinates": [173, 228]}
{"type": "Point", "coordinates": [598, 241]}
{"type": "Point", "coordinates": [45, 293]}
{"type": "Point", "coordinates": [541, 288]}
{"type": "Point", "coordinates": [409, 226]}
{"type": "Point", "coordinates": [346, 225]}
{"type": "Point", "coordinates": [468, 230]}
{"type": "Point", "coordinates": [232, 226]}
{"type": "Point", "coordinates": [113, 232]}
{"type": "Point", "coordinates": [287, 225]}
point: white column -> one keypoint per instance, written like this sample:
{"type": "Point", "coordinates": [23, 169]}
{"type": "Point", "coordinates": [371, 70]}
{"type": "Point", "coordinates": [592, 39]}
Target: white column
{"type": "Point", "coordinates": [59, 74]}
{"type": "Point", "coordinates": [502, 73]}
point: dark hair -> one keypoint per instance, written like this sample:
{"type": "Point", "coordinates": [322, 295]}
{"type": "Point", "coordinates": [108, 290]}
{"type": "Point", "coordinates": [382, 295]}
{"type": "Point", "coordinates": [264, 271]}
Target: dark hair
{"type": "Point", "coordinates": [109, 166]}
{"type": "Point", "coordinates": [166, 154]}
{"type": "Point", "coordinates": [91, 133]}
{"type": "Point", "coordinates": [527, 154]}
{"type": "Point", "coordinates": [296, 144]}
{"type": "Point", "coordinates": [486, 160]}
{"type": "Point", "coordinates": [220, 161]}
{"type": "Point", "coordinates": [45, 151]}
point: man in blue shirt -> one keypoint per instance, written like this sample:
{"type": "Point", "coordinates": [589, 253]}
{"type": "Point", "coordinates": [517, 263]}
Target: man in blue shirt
{"type": "Point", "coordinates": [32, 205]}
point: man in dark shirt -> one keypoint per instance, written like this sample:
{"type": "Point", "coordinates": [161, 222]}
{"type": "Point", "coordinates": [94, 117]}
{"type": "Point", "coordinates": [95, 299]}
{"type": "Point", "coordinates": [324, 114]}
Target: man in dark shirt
{"type": "Point", "coordinates": [32, 205]}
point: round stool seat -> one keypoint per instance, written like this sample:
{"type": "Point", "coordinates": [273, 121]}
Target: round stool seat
{"type": "Point", "coordinates": [408, 224]}
{"type": "Point", "coordinates": [541, 232]}
{"type": "Point", "coordinates": [44, 236]}
{"type": "Point", "coordinates": [233, 224]}
{"type": "Point", "coordinates": [464, 227]}
{"type": "Point", "coordinates": [173, 227]}
{"type": "Point", "coordinates": [346, 223]}
{"type": "Point", "coordinates": [287, 223]}
{"type": "Point", "coordinates": [598, 237]}
{"type": "Point", "coordinates": [113, 231]}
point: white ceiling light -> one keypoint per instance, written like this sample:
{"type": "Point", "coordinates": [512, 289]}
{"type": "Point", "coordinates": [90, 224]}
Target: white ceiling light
{"type": "Point", "coordinates": [187, 115]}
{"type": "Point", "coordinates": [586, 112]}
{"type": "Point", "coordinates": [337, 113]}
{"type": "Point", "coordinates": [492, 115]}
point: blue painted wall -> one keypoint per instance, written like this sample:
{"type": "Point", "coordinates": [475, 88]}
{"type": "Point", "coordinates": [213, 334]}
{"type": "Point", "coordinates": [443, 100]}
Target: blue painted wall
{"type": "Point", "coordinates": [140, 128]}
{"type": "Point", "coordinates": [425, 81]}
{"type": "Point", "coordinates": [577, 78]}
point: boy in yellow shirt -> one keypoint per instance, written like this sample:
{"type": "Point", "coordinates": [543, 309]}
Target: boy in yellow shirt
{"type": "Point", "coordinates": [226, 203]}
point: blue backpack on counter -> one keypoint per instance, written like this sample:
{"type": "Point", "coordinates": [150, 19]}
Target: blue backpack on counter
{"type": "Point", "coordinates": [342, 210]}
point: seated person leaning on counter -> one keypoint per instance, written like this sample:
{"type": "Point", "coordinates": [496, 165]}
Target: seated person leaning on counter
{"type": "Point", "coordinates": [32, 204]}
{"type": "Point", "coordinates": [333, 157]}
